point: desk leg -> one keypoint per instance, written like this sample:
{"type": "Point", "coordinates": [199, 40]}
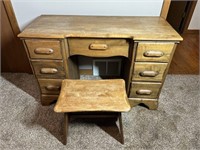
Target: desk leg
{"type": "Point", "coordinates": [121, 128]}
{"type": "Point", "coordinates": [66, 124]}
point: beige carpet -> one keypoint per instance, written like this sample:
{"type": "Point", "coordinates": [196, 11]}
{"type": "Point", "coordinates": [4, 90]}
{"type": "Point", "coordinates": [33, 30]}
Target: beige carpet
{"type": "Point", "coordinates": [25, 124]}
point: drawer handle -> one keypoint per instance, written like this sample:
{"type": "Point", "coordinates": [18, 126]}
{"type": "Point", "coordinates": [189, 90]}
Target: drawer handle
{"type": "Point", "coordinates": [153, 53]}
{"type": "Point", "coordinates": [48, 70]}
{"type": "Point", "coordinates": [98, 46]}
{"type": "Point", "coordinates": [52, 88]}
{"type": "Point", "coordinates": [143, 92]}
{"type": "Point", "coordinates": [149, 73]}
{"type": "Point", "coordinates": [44, 51]}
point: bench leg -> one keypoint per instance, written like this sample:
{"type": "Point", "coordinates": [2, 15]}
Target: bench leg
{"type": "Point", "coordinates": [66, 124]}
{"type": "Point", "coordinates": [121, 128]}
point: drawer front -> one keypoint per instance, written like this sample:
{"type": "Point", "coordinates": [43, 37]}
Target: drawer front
{"type": "Point", "coordinates": [48, 68]}
{"type": "Point", "coordinates": [49, 49]}
{"type": "Point", "coordinates": [48, 99]}
{"type": "Point", "coordinates": [149, 71]}
{"type": "Point", "coordinates": [50, 86]}
{"type": "Point", "coordinates": [98, 47]}
{"type": "Point", "coordinates": [157, 52]}
{"type": "Point", "coordinates": [144, 90]}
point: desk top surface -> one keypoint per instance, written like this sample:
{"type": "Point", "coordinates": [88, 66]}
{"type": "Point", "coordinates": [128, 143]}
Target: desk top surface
{"type": "Point", "coordinates": [138, 28]}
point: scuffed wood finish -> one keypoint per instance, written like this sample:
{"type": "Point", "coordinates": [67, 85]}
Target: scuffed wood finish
{"type": "Point", "coordinates": [48, 99]}
{"type": "Point", "coordinates": [152, 104]}
{"type": "Point", "coordinates": [129, 66]}
{"type": "Point", "coordinates": [146, 44]}
{"type": "Point", "coordinates": [50, 86]}
{"type": "Point", "coordinates": [98, 47]}
{"type": "Point", "coordinates": [139, 28]}
{"type": "Point", "coordinates": [49, 49]}
{"type": "Point", "coordinates": [92, 95]}
{"type": "Point", "coordinates": [71, 67]}
{"type": "Point", "coordinates": [144, 71]}
{"type": "Point", "coordinates": [152, 88]}
{"type": "Point", "coordinates": [151, 65]}
{"type": "Point", "coordinates": [48, 68]}
{"type": "Point", "coordinates": [144, 48]}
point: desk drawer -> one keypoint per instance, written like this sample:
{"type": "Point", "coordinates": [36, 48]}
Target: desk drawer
{"type": "Point", "coordinates": [99, 47]}
{"type": "Point", "coordinates": [50, 86]}
{"type": "Point", "coordinates": [158, 52]}
{"type": "Point", "coordinates": [49, 49]}
{"type": "Point", "coordinates": [149, 71]}
{"type": "Point", "coordinates": [47, 99]}
{"type": "Point", "coordinates": [48, 68]}
{"type": "Point", "coordinates": [145, 90]}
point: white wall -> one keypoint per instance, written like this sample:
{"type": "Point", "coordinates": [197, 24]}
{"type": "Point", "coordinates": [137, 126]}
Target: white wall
{"type": "Point", "coordinates": [195, 21]}
{"type": "Point", "coordinates": [28, 10]}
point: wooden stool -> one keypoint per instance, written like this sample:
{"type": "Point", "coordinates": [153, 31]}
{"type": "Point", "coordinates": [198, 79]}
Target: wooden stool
{"type": "Point", "coordinates": [92, 96]}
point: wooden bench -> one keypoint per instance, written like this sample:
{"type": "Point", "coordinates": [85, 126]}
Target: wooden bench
{"type": "Point", "coordinates": [78, 96]}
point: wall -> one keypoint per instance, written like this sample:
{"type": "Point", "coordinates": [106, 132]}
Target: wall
{"type": "Point", "coordinates": [28, 10]}
{"type": "Point", "coordinates": [195, 21]}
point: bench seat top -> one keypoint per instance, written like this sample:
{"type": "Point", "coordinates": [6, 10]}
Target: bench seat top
{"type": "Point", "coordinates": [92, 95]}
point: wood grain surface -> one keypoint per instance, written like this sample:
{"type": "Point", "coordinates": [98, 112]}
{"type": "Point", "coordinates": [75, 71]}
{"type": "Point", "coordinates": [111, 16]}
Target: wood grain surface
{"type": "Point", "coordinates": [153, 47]}
{"type": "Point", "coordinates": [98, 47]}
{"type": "Point", "coordinates": [153, 87]}
{"type": "Point", "coordinates": [141, 70]}
{"type": "Point", "coordinates": [40, 48]}
{"type": "Point", "coordinates": [138, 28]}
{"type": "Point", "coordinates": [92, 95]}
{"type": "Point", "coordinates": [186, 56]}
{"type": "Point", "coordinates": [48, 68]}
{"type": "Point", "coordinates": [152, 104]}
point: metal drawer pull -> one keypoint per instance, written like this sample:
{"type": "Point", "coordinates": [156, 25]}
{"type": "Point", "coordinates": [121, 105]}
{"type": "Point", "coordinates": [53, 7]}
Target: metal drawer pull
{"type": "Point", "coordinates": [48, 70]}
{"type": "Point", "coordinates": [52, 88]}
{"type": "Point", "coordinates": [44, 51]}
{"type": "Point", "coordinates": [98, 46]}
{"type": "Point", "coordinates": [143, 92]}
{"type": "Point", "coordinates": [149, 73]}
{"type": "Point", "coordinates": [153, 53]}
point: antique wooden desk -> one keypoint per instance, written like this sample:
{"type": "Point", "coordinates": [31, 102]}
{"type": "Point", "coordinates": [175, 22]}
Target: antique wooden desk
{"type": "Point", "coordinates": [146, 44]}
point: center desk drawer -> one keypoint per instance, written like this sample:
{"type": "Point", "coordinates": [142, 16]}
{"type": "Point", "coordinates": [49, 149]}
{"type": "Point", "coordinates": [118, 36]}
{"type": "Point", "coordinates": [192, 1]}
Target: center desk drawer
{"type": "Point", "coordinates": [157, 52]}
{"type": "Point", "coordinates": [149, 71]}
{"type": "Point", "coordinates": [145, 90]}
{"type": "Point", "coordinates": [98, 47]}
{"type": "Point", "coordinates": [50, 49]}
{"type": "Point", "coordinates": [50, 86]}
{"type": "Point", "coordinates": [48, 68]}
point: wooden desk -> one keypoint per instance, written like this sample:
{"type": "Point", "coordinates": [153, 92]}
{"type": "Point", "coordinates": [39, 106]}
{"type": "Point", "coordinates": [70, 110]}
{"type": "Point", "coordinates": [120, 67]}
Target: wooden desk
{"type": "Point", "coordinates": [146, 44]}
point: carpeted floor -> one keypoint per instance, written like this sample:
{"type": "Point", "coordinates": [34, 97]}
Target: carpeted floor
{"type": "Point", "coordinates": [25, 124]}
